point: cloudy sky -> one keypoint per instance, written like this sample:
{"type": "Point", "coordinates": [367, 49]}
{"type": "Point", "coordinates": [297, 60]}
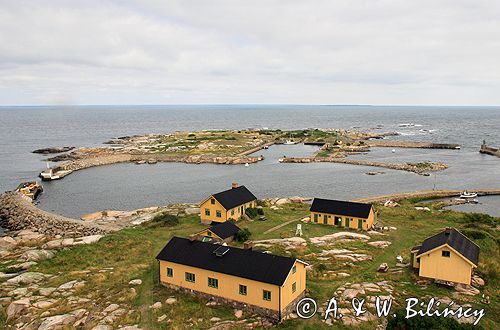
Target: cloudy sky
{"type": "Point", "coordinates": [261, 51]}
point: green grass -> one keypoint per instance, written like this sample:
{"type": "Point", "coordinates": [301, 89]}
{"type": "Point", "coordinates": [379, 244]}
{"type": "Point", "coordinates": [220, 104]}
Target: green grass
{"type": "Point", "coordinates": [131, 254]}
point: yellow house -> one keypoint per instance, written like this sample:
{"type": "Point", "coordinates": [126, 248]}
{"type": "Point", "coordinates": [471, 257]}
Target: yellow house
{"type": "Point", "coordinates": [256, 282]}
{"type": "Point", "coordinates": [228, 204]}
{"type": "Point", "coordinates": [447, 256]}
{"type": "Point", "coordinates": [342, 214]}
{"type": "Point", "coordinates": [220, 232]}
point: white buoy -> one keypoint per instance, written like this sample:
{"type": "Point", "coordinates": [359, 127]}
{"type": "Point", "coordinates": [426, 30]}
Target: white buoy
{"type": "Point", "coordinates": [393, 150]}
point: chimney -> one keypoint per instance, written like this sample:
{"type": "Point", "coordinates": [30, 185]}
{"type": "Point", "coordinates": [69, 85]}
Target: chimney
{"type": "Point", "coordinates": [447, 231]}
{"type": "Point", "coordinates": [192, 238]}
{"type": "Point", "coordinates": [248, 245]}
{"type": "Point", "coordinates": [234, 185]}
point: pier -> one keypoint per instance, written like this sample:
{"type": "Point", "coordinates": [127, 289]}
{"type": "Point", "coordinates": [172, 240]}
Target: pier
{"type": "Point", "coordinates": [424, 194]}
{"type": "Point", "coordinates": [489, 150]}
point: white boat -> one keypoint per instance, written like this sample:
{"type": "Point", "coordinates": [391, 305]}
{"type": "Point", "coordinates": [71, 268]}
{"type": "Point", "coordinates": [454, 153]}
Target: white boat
{"type": "Point", "coordinates": [246, 164]}
{"type": "Point", "coordinates": [289, 142]}
{"type": "Point", "coordinates": [393, 150]}
{"type": "Point", "coordinates": [466, 195]}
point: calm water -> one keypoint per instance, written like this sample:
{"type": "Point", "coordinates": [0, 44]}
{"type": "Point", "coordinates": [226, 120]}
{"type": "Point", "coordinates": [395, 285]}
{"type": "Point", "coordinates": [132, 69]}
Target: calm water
{"type": "Point", "coordinates": [129, 186]}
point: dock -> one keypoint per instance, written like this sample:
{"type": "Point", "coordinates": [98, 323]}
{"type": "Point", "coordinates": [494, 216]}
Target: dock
{"type": "Point", "coordinates": [489, 150]}
{"type": "Point", "coordinates": [430, 194]}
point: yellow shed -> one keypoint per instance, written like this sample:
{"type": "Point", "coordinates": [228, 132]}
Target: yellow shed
{"type": "Point", "coordinates": [226, 205]}
{"type": "Point", "coordinates": [256, 282]}
{"type": "Point", "coordinates": [447, 256]}
{"type": "Point", "coordinates": [343, 214]}
{"type": "Point", "coordinates": [220, 232]}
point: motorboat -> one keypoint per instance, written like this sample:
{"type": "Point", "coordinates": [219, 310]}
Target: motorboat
{"type": "Point", "coordinates": [468, 195]}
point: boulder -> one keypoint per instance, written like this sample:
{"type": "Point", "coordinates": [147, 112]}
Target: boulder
{"type": "Point", "coordinates": [87, 239]}
{"type": "Point", "coordinates": [162, 318]}
{"type": "Point", "coordinates": [92, 216]}
{"type": "Point", "coordinates": [46, 291]}
{"type": "Point", "coordinates": [156, 305]}
{"type": "Point", "coordinates": [111, 308]}
{"type": "Point", "coordinates": [61, 321]}
{"type": "Point", "coordinates": [27, 278]}
{"type": "Point", "coordinates": [7, 242]}
{"type": "Point", "coordinates": [170, 301]}
{"type": "Point", "coordinates": [322, 240]}
{"type": "Point", "coordinates": [380, 244]}
{"type": "Point", "coordinates": [238, 313]}
{"type": "Point", "coordinates": [477, 281]}
{"type": "Point", "coordinates": [135, 282]}
{"type": "Point", "coordinates": [192, 210]}
{"type": "Point", "coordinates": [67, 286]}
{"type": "Point", "coordinates": [287, 242]}
{"type": "Point", "coordinates": [17, 307]}
{"type": "Point", "coordinates": [37, 255]}
{"type": "Point", "coordinates": [282, 201]}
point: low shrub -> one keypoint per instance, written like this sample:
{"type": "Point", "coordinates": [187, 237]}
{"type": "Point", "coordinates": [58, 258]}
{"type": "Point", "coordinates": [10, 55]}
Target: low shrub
{"type": "Point", "coordinates": [243, 235]}
{"type": "Point", "coordinates": [253, 212]}
{"type": "Point", "coordinates": [164, 219]}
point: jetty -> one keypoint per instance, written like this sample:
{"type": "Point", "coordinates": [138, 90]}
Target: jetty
{"type": "Point", "coordinates": [411, 144]}
{"type": "Point", "coordinates": [425, 194]}
{"type": "Point", "coordinates": [489, 150]}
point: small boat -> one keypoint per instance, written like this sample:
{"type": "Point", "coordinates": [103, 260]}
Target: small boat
{"type": "Point", "coordinates": [266, 147]}
{"type": "Point", "coordinates": [246, 164]}
{"type": "Point", "coordinates": [49, 174]}
{"type": "Point", "coordinates": [30, 189]}
{"type": "Point", "coordinates": [289, 142]}
{"type": "Point", "coordinates": [393, 150]}
{"type": "Point", "coordinates": [466, 195]}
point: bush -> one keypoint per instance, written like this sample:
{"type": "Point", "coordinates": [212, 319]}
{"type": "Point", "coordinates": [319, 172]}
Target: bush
{"type": "Point", "coordinates": [164, 219]}
{"type": "Point", "coordinates": [437, 323]}
{"type": "Point", "coordinates": [243, 235]}
{"type": "Point", "coordinates": [475, 234]}
{"type": "Point", "coordinates": [253, 212]}
{"type": "Point", "coordinates": [474, 219]}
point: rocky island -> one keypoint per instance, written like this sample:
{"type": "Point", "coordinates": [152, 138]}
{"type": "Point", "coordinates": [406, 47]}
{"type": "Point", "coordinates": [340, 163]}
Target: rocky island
{"type": "Point", "coordinates": [235, 147]}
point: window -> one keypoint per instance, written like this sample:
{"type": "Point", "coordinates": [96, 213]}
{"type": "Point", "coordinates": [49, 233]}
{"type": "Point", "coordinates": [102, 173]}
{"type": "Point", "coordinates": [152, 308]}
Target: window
{"type": "Point", "coordinates": [190, 277]}
{"type": "Point", "coordinates": [209, 233]}
{"type": "Point", "coordinates": [445, 254]}
{"type": "Point", "coordinates": [213, 282]}
{"type": "Point", "coordinates": [232, 212]}
{"type": "Point", "coordinates": [325, 219]}
{"type": "Point", "coordinates": [315, 218]}
{"type": "Point", "coordinates": [218, 214]}
{"type": "Point", "coordinates": [170, 272]}
{"type": "Point", "coordinates": [294, 287]}
{"type": "Point", "coordinates": [266, 295]}
{"type": "Point", "coordinates": [243, 290]}
{"type": "Point", "coordinates": [294, 269]}
{"type": "Point", "coordinates": [207, 212]}
{"type": "Point", "coordinates": [212, 201]}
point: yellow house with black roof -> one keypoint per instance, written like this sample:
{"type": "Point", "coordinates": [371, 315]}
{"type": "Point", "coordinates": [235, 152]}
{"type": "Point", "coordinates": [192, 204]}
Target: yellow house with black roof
{"type": "Point", "coordinates": [256, 282]}
{"type": "Point", "coordinates": [226, 205]}
{"type": "Point", "coordinates": [343, 214]}
{"type": "Point", "coordinates": [447, 256]}
{"type": "Point", "coordinates": [220, 232]}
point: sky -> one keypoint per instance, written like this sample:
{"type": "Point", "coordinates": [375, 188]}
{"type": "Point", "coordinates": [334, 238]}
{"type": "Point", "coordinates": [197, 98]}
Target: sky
{"type": "Point", "coordinates": [381, 52]}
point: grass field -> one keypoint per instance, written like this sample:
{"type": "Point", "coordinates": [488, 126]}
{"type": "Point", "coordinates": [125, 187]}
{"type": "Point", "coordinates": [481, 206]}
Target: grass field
{"type": "Point", "coordinates": [130, 254]}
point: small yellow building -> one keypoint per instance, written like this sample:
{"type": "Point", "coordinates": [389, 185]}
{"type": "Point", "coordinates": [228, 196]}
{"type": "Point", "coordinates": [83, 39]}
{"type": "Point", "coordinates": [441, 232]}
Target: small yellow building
{"type": "Point", "coordinates": [226, 205]}
{"type": "Point", "coordinates": [220, 232]}
{"type": "Point", "coordinates": [343, 214]}
{"type": "Point", "coordinates": [447, 256]}
{"type": "Point", "coordinates": [256, 282]}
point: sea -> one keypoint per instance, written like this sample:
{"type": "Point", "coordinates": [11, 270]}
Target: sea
{"type": "Point", "coordinates": [129, 186]}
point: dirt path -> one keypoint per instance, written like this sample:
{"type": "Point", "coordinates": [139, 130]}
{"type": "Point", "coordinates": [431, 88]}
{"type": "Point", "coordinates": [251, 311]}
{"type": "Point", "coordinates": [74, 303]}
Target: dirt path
{"type": "Point", "coordinates": [280, 226]}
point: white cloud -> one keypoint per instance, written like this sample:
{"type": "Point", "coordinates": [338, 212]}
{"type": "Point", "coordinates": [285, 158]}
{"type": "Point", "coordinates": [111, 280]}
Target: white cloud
{"type": "Point", "coordinates": [145, 52]}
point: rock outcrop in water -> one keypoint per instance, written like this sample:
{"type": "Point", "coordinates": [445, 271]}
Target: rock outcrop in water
{"type": "Point", "coordinates": [52, 150]}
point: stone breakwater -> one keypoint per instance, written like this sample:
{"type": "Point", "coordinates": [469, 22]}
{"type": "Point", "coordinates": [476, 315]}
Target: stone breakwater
{"type": "Point", "coordinates": [419, 168]}
{"type": "Point", "coordinates": [425, 194]}
{"type": "Point", "coordinates": [80, 164]}
{"type": "Point", "coordinates": [18, 213]}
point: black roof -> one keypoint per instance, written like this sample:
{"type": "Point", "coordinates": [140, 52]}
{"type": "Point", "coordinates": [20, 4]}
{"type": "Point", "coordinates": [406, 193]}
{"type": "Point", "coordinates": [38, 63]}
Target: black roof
{"type": "Point", "coordinates": [257, 266]}
{"type": "Point", "coordinates": [456, 240]}
{"type": "Point", "coordinates": [224, 229]}
{"type": "Point", "coordinates": [235, 196]}
{"type": "Point", "coordinates": [353, 209]}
